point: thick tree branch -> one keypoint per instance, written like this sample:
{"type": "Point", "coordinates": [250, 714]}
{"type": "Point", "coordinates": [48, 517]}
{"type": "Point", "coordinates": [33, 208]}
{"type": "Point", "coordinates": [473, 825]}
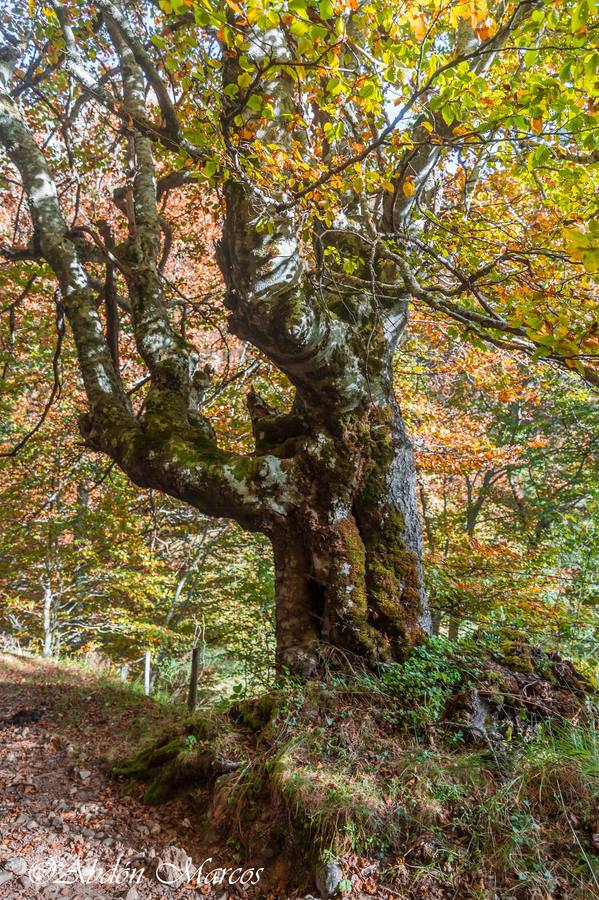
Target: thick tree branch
{"type": "Point", "coordinates": [144, 61]}
{"type": "Point", "coordinates": [419, 163]}
{"type": "Point", "coordinates": [270, 295]}
{"type": "Point", "coordinates": [489, 47]}
{"type": "Point", "coordinates": [164, 452]}
{"type": "Point", "coordinates": [101, 380]}
{"type": "Point", "coordinates": [173, 363]}
{"type": "Point", "coordinates": [77, 68]}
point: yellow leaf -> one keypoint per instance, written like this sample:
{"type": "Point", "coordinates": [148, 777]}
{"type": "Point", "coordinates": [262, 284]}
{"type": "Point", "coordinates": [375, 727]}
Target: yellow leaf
{"type": "Point", "coordinates": [478, 12]}
{"type": "Point", "coordinates": [418, 25]}
{"type": "Point", "coordinates": [537, 125]}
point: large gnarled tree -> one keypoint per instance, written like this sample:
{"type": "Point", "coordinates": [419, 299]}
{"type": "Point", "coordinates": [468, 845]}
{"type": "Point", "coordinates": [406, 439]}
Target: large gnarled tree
{"type": "Point", "coordinates": [361, 152]}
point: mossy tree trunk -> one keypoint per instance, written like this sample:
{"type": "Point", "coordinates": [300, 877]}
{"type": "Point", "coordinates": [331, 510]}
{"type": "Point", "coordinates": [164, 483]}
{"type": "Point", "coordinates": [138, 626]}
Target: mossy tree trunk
{"type": "Point", "coordinates": [331, 481]}
{"type": "Point", "coordinates": [348, 559]}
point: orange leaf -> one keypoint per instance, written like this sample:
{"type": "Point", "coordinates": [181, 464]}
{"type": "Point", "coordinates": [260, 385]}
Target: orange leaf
{"type": "Point", "coordinates": [408, 187]}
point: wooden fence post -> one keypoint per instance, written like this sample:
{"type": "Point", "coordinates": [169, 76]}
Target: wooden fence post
{"type": "Point", "coordinates": [147, 673]}
{"type": "Point", "coordinates": [193, 681]}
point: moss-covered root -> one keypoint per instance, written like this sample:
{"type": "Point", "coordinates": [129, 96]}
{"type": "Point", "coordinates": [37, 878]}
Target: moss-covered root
{"type": "Point", "coordinates": [151, 758]}
{"type": "Point", "coordinates": [257, 712]}
{"type": "Point", "coordinates": [174, 762]}
{"type": "Point", "coordinates": [203, 749]}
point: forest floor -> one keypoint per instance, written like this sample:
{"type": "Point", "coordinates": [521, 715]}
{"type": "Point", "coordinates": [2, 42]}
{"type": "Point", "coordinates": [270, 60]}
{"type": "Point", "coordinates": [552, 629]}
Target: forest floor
{"type": "Point", "coordinates": [64, 821]}
{"type": "Point", "coordinates": [340, 772]}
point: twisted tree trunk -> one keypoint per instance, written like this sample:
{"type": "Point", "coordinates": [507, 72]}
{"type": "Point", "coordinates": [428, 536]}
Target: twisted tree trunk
{"type": "Point", "coordinates": [331, 482]}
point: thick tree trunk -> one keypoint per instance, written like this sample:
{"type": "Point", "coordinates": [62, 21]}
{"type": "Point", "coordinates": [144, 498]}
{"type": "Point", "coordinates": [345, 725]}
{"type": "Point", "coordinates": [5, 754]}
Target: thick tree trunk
{"type": "Point", "coordinates": [348, 564]}
{"type": "Point", "coordinates": [298, 610]}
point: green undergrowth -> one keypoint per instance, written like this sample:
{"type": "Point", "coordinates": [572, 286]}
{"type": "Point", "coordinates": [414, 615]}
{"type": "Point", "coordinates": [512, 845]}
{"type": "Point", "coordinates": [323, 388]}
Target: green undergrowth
{"type": "Point", "coordinates": [371, 767]}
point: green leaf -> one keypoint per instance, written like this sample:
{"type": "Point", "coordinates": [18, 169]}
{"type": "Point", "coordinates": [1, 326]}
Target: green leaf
{"type": "Point", "coordinates": [530, 57]}
{"type": "Point", "coordinates": [368, 89]}
{"type": "Point", "coordinates": [580, 15]}
{"type": "Point", "coordinates": [334, 85]}
{"type": "Point", "coordinates": [326, 9]}
{"type": "Point", "coordinates": [254, 102]}
{"type": "Point", "coordinates": [244, 80]}
{"type": "Point", "coordinates": [447, 114]}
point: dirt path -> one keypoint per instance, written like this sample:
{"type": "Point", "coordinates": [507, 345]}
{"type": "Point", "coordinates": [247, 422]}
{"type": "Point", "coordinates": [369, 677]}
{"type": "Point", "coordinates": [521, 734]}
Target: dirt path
{"type": "Point", "coordinates": [66, 828]}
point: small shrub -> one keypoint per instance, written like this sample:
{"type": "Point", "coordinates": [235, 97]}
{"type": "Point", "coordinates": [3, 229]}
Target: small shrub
{"type": "Point", "coordinates": [425, 681]}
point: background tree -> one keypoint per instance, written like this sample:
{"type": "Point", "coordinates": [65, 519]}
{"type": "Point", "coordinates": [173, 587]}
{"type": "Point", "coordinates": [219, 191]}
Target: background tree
{"type": "Point", "coordinates": [470, 197]}
{"type": "Point", "coordinates": [506, 454]}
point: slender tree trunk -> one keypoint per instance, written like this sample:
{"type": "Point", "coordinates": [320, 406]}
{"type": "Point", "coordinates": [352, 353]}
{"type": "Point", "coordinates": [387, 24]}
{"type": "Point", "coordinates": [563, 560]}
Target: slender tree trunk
{"type": "Point", "coordinates": [147, 673]}
{"type": "Point", "coordinates": [48, 645]}
{"type": "Point", "coordinates": [453, 631]}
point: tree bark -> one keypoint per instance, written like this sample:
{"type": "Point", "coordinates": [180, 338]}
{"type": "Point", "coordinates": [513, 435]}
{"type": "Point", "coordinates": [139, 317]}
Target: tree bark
{"type": "Point", "coordinates": [348, 562]}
